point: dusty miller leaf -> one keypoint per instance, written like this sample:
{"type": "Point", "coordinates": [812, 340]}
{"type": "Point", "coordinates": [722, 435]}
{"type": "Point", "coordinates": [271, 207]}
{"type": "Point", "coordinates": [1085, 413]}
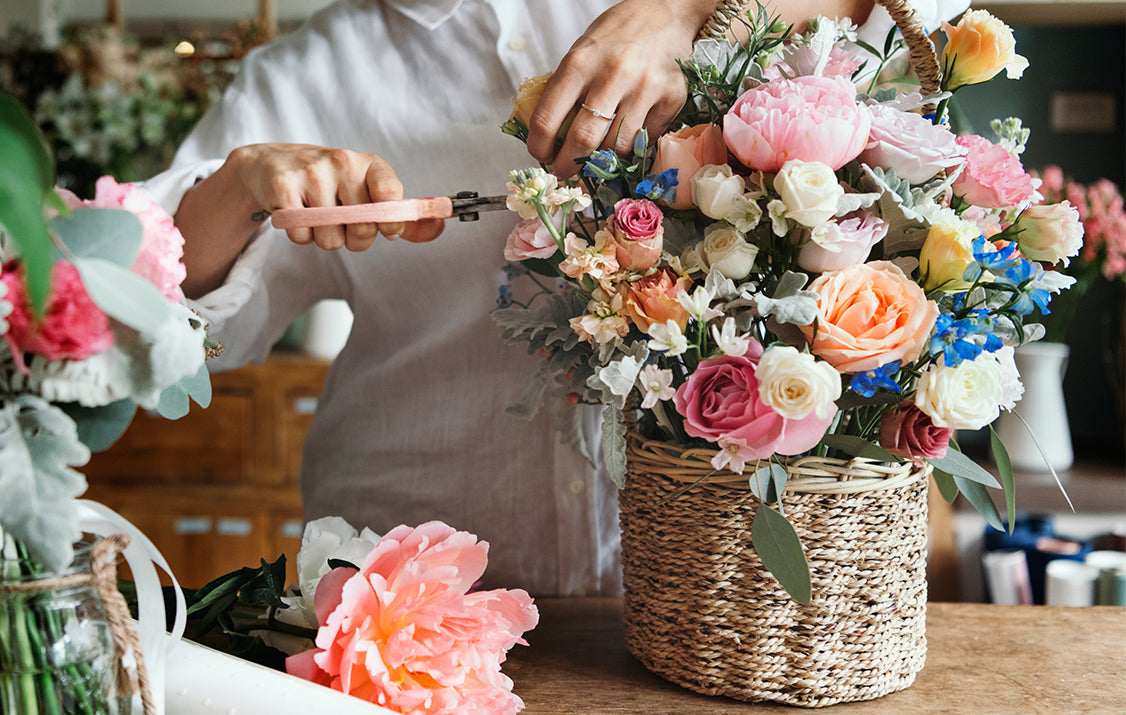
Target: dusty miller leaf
{"type": "Point", "coordinates": [614, 445]}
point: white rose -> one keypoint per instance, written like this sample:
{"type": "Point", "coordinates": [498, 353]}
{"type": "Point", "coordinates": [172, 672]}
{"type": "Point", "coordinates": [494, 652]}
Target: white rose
{"type": "Point", "coordinates": [715, 189]}
{"type": "Point", "coordinates": [725, 250]}
{"type": "Point", "coordinates": [968, 396]}
{"type": "Point", "coordinates": [810, 191]}
{"type": "Point", "coordinates": [796, 384]}
{"type": "Point", "coordinates": [328, 538]}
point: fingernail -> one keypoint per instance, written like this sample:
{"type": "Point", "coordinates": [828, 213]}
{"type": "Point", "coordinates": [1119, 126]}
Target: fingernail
{"type": "Point", "coordinates": [391, 236]}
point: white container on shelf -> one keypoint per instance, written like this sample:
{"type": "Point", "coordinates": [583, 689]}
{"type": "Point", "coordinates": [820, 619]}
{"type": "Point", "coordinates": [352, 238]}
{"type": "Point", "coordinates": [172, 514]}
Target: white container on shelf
{"type": "Point", "coordinates": [1047, 438]}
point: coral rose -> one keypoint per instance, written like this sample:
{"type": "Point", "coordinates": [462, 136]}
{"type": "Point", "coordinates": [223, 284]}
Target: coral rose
{"type": "Point", "coordinates": [638, 233]}
{"type": "Point", "coordinates": [405, 632]}
{"type": "Point", "coordinates": [72, 328]}
{"type": "Point", "coordinates": [652, 299]}
{"type": "Point", "coordinates": [687, 150]}
{"type": "Point", "coordinates": [906, 431]}
{"type": "Point", "coordinates": [869, 315]}
{"type": "Point", "coordinates": [806, 118]}
{"type": "Point", "coordinates": [993, 178]}
{"type": "Point", "coordinates": [720, 403]}
{"type": "Point", "coordinates": [977, 49]}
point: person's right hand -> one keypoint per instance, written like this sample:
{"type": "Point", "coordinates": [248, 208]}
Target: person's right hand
{"type": "Point", "coordinates": [285, 176]}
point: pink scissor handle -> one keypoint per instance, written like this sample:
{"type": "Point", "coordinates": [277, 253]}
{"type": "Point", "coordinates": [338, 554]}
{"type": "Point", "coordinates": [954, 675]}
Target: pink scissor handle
{"type": "Point", "coordinates": [379, 212]}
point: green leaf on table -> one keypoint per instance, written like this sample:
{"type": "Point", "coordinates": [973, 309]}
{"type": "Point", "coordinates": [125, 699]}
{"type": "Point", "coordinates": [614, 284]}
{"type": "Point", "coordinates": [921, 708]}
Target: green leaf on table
{"type": "Point", "coordinates": [960, 465]}
{"type": "Point", "coordinates": [947, 487]}
{"type": "Point", "coordinates": [26, 178]}
{"type": "Point", "coordinates": [1005, 469]}
{"type": "Point", "coordinates": [978, 497]}
{"type": "Point", "coordinates": [100, 427]}
{"type": "Point", "coordinates": [122, 294]}
{"type": "Point", "coordinates": [858, 447]}
{"type": "Point", "coordinates": [112, 234]}
{"type": "Point", "coordinates": [779, 547]}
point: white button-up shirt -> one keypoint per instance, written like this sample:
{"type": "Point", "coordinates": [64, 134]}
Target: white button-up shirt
{"type": "Point", "coordinates": [412, 423]}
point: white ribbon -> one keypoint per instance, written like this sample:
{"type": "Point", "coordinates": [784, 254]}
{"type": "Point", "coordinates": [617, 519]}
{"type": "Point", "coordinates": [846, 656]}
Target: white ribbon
{"type": "Point", "coordinates": [142, 557]}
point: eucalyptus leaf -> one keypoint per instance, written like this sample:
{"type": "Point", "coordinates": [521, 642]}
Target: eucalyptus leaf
{"type": "Point", "coordinates": [122, 294]}
{"type": "Point", "coordinates": [174, 403]}
{"type": "Point", "coordinates": [112, 234]}
{"type": "Point", "coordinates": [198, 386]}
{"type": "Point", "coordinates": [946, 485]}
{"type": "Point", "coordinates": [959, 465]}
{"type": "Point", "coordinates": [1005, 469]}
{"type": "Point", "coordinates": [100, 427]}
{"type": "Point", "coordinates": [768, 482]}
{"type": "Point", "coordinates": [858, 447]}
{"type": "Point", "coordinates": [979, 497]}
{"type": "Point", "coordinates": [779, 547]}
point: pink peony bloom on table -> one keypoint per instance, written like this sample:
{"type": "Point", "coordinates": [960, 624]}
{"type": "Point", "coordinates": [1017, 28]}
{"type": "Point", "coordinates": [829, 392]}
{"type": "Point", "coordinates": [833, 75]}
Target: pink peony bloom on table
{"type": "Point", "coordinates": [720, 402]}
{"type": "Point", "coordinates": [638, 233]}
{"type": "Point", "coordinates": [688, 150]}
{"type": "Point", "coordinates": [529, 239]}
{"type": "Point", "coordinates": [911, 146]}
{"type": "Point", "coordinates": [72, 328]}
{"type": "Point", "coordinates": [162, 245]}
{"type": "Point", "coordinates": [406, 633]}
{"type": "Point", "coordinates": [993, 178]}
{"type": "Point", "coordinates": [805, 118]}
{"type": "Point", "coordinates": [906, 431]}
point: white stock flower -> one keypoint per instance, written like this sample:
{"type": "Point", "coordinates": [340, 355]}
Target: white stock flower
{"type": "Point", "coordinates": [724, 249]}
{"type": "Point", "coordinates": [728, 341]}
{"type": "Point", "coordinates": [810, 191]}
{"type": "Point", "coordinates": [527, 187]}
{"type": "Point", "coordinates": [796, 384]}
{"type": "Point", "coordinates": [968, 396]}
{"type": "Point", "coordinates": [698, 304]}
{"type": "Point", "coordinates": [666, 337]}
{"type": "Point", "coordinates": [745, 212]}
{"type": "Point", "coordinates": [604, 320]}
{"type": "Point", "coordinates": [715, 189]}
{"type": "Point", "coordinates": [1012, 389]}
{"type": "Point", "coordinates": [728, 455]}
{"type": "Point", "coordinates": [656, 385]}
{"type": "Point", "coordinates": [777, 212]}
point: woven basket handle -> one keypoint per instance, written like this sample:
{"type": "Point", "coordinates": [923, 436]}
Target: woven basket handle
{"type": "Point", "coordinates": [919, 47]}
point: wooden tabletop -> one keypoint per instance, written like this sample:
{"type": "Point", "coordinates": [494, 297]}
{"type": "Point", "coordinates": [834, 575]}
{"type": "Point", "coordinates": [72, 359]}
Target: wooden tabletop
{"type": "Point", "coordinates": [981, 659]}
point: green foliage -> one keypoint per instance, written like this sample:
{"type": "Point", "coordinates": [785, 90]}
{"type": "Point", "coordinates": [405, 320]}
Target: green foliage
{"type": "Point", "coordinates": [122, 294]}
{"type": "Point", "coordinates": [780, 549]}
{"type": "Point", "coordinates": [112, 234]}
{"type": "Point", "coordinates": [100, 427]}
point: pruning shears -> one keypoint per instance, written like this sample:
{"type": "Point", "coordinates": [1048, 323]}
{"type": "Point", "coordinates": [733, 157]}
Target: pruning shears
{"type": "Point", "coordinates": [466, 205]}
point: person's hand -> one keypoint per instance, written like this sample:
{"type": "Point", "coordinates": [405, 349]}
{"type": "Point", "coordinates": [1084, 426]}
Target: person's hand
{"type": "Point", "coordinates": [284, 176]}
{"type": "Point", "coordinates": [623, 74]}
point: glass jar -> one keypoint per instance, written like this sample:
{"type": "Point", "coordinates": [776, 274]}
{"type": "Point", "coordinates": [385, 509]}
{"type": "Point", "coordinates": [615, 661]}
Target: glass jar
{"type": "Point", "coordinates": [56, 646]}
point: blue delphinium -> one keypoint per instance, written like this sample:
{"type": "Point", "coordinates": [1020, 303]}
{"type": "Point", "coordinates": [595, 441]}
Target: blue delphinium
{"type": "Point", "coordinates": [659, 187]}
{"type": "Point", "coordinates": [866, 383]}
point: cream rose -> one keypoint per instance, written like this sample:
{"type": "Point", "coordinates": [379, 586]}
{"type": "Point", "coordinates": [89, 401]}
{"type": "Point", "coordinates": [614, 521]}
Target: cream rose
{"type": "Point", "coordinates": [810, 191]}
{"type": "Point", "coordinates": [724, 249]}
{"type": "Point", "coordinates": [968, 396]}
{"type": "Point", "coordinates": [715, 189]}
{"type": "Point", "coordinates": [795, 384]}
{"type": "Point", "coordinates": [1050, 232]}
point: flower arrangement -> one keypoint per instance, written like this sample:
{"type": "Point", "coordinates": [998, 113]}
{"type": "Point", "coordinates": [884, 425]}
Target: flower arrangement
{"type": "Point", "coordinates": [394, 620]}
{"type": "Point", "coordinates": [807, 262]}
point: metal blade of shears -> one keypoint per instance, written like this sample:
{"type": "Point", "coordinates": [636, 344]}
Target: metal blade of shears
{"type": "Point", "coordinates": [465, 205]}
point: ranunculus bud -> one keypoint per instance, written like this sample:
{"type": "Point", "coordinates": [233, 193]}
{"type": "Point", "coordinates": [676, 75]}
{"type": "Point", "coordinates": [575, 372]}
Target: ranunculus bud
{"type": "Point", "coordinates": [1050, 232]}
{"type": "Point", "coordinates": [978, 48]}
{"type": "Point", "coordinates": [906, 431]}
{"type": "Point", "coordinates": [687, 150]}
{"type": "Point", "coordinates": [946, 254]}
{"type": "Point", "coordinates": [810, 191]}
{"type": "Point", "coordinates": [638, 233]}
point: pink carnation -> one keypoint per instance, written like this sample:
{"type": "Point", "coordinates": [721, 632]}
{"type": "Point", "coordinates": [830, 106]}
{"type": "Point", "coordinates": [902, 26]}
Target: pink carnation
{"type": "Point", "coordinates": [404, 631]}
{"type": "Point", "coordinates": [906, 431]}
{"type": "Point", "coordinates": [911, 146]}
{"type": "Point", "coordinates": [530, 239]}
{"type": "Point", "coordinates": [993, 178]}
{"type": "Point", "coordinates": [72, 328]}
{"type": "Point", "coordinates": [638, 231]}
{"type": "Point", "coordinates": [162, 245]}
{"type": "Point", "coordinates": [720, 403]}
{"type": "Point", "coordinates": [805, 118]}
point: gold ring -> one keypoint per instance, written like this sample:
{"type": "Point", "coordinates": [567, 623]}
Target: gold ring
{"type": "Point", "coordinates": [599, 114]}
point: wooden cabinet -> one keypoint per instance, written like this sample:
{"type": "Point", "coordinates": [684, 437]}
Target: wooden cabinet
{"type": "Point", "coordinates": [219, 488]}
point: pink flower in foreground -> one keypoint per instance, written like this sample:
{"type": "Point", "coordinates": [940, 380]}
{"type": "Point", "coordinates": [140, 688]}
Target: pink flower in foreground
{"type": "Point", "coordinates": [906, 431]}
{"type": "Point", "coordinates": [993, 178]}
{"type": "Point", "coordinates": [405, 633]}
{"type": "Point", "coordinates": [72, 328]}
{"type": "Point", "coordinates": [638, 232]}
{"type": "Point", "coordinates": [805, 118]}
{"type": "Point", "coordinates": [688, 150]}
{"type": "Point", "coordinates": [162, 245]}
{"type": "Point", "coordinates": [530, 239]}
{"type": "Point", "coordinates": [911, 146]}
{"type": "Point", "coordinates": [720, 403]}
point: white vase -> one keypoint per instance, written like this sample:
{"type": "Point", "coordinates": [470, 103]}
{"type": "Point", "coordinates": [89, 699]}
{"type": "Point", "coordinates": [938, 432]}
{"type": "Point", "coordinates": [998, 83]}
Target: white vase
{"type": "Point", "coordinates": [1047, 438]}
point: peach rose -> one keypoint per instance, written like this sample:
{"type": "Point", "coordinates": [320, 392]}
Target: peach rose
{"type": "Point", "coordinates": [528, 96]}
{"type": "Point", "coordinates": [869, 315]}
{"type": "Point", "coordinates": [652, 299]}
{"type": "Point", "coordinates": [977, 49]}
{"type": "Point", "coordinates": [687, 150]}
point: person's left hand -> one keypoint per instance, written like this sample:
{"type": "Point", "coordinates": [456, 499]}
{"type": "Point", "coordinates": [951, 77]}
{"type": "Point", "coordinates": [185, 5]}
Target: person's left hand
{"type": "Point", "coordinates": [623, 74]}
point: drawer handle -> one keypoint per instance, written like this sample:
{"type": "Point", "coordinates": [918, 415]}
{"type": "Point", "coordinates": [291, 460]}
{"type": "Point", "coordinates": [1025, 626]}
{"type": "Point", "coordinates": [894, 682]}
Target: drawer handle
{"type": "Point", "coordinates": [305, 405]}
{"type": "Point", "coordinates": [293, 529]}
{"type": "Point", "coordinates": [234, 527]}
{"type": "Point", "coordinates": [192, 525]}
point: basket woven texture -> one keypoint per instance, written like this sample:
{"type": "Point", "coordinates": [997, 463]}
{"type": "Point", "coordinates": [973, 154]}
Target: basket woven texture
{"type": "Point", "coordinates": [700, 608]}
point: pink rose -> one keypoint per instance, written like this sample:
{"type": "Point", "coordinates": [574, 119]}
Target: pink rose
{"type": "Point", "coordinates": [993, 178]}
{"type": "Point", "coordinates": [869, 315]}
{"type": "Point", "coordinates": [842, 242]}
{"type": "Point", "coordinates": [805, 118]}
{"type": "Point", "coordinates": [72, 328]}
{"type": "Point", "coordinates": [162, 245]}
{"type": "Point", "coordinates": [720, 403]}
{"type": "Point", "coordinates": [405, 632]}
{"type": "Point", "coordinates": [529, 239]}
{"type": "Point", "coordinates": [911, 146]}
{"type": "Point", "coordinates": [638, 233]}
{"type": "Point", "coordinates": [687, 150]}
{"type": "Point", "coordinates": [906, 431]}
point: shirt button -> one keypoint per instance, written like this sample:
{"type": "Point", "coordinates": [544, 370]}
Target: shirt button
{"type": "Point", "coordinates": [578, 486]}
{"type": "Point", "coordinates": [516, 44]}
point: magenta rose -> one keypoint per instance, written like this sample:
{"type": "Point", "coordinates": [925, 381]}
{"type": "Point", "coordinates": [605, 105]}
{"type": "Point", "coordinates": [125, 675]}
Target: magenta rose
{"type": "Point", "coordinates": [530, 239]}
{"type": "Point", "coordinates": [911, 146]}
{"type": "Point", "coordinates": [906, 431]}
{"type": "Point", "coordinates": [720, 403]}
{"type": "Point", "coordinates": [638, 230]}
{"type": "Point", "coordinates": [805, 118]}
{"type": "Point", "coordinates": [993, 178]}
{"type": "Point", "coordinates": [72, 328]}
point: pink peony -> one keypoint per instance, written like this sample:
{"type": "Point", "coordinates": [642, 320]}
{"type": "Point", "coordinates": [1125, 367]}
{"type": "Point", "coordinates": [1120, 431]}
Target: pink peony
{"type": "Point", "coordinates": [720, 403]}
{"type": "Point", "coordinates": [404, 631]}
{"type": "Point", "coordinates": [993, 178]}
{"type": "Point", "coordinates": [530, 239]}
{"type": "Point", "coordinates": [688, 150]}
{"type": "Point", "coordinates": [72, 328]}
{"type": "Point", "coordinates": [911, 146]}
{"type": "Point", "coordinates": [162, 245]}
{"type": "Point", "coordinates": [906, 431]}
{"type": "Point", "coordinates": [805, 118]}
{"type": "Point", "coordinates": [638, 233]}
